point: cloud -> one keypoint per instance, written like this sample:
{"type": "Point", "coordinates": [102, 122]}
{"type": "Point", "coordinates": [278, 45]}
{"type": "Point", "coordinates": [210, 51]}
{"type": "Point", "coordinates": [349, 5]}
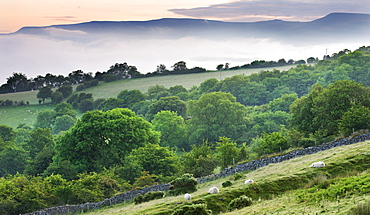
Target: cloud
{"type": "Point", "coordinates": [58, 32]}
{"type": "Point", "coordinates": [37, 55]}
{"type": "Point", "coordinates": [289, 10]}
{"type": "Point", "coordinates": [63, 18]}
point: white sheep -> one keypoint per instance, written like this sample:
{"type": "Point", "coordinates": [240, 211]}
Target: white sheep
{"type": "Point", "coordinates": [249, 181]}
{"type": "Point", "coordinates": [187, 196]}
{"type": "Point", "coordinates": [213, 190]}
{"type": "Point", "coordinates": [318, 164]}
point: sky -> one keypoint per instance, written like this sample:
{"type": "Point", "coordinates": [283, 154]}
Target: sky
{"type": "Point", "coordinates": [15, 14]}
{"type": "Point", "coordinates": [36, 55]}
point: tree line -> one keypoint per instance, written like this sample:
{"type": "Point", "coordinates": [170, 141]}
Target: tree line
{"type": "Point", "coordinates": [19, 82]}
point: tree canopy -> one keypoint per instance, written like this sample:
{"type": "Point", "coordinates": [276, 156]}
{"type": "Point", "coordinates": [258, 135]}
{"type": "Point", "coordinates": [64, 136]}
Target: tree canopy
{"type": "Point", "coordinates": [102, 139]}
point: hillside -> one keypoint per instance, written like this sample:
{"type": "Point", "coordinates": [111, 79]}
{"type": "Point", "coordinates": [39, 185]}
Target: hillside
{"type": "Point", "coordinates": [13, 116]}
{"type": "Point", "coordinates": [282, 188]}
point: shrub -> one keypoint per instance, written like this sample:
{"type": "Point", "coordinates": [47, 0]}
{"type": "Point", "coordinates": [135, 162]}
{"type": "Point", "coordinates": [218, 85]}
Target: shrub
{"type": "Point", "coordinates": [227, 184]}
{"type": "Point", "coordinates": [240, 202]}
{"type": "Point", "coordinates": [238, 176]}
{"type": "Point", "coordinates": [139, 199]}
{"type": "Point", "coordinates": [185, 184]}
{"type": "Point", "coordinates": [151, 195]}
{"type": "Point", "coordinates": [199, 209]}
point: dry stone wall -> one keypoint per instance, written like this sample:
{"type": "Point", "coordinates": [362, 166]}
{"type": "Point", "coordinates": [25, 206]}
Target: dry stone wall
{"type": "Point", "coordinates": [127, 196]}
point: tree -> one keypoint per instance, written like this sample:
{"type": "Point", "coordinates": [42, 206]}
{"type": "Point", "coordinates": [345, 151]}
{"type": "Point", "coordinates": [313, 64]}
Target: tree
{"type": "Point", "coordinates": [227, 152]}
{"type": "Point", "coordinates": [130, 97]}
{"type": "Point", "coordinates": [200, 161]}
{"type": "Point", "coordinates": [39, 138]}
{"type": "Point", "coordinates": [355, 119]}
{"type": "Point", "coordinates": [283, 103]}
{"type": "Point", "coordinates": [66, 90]}
{"type": "Point", "coordinates": [64, 108]}
{"type": "Point", "coordinates": [207, 85]}
{"type": "Point", "coordinates": [45, 119]}
{"type": "Point", "coordinates": [7, 133]}
{"type": "Point", "coordinates": [111, 103]}
{"type": "Point", "coordinates": [18, 82]}
{"type": "Point", "coordinates": [41, 161]}
{"type": "Point", "coordinates": [56, 97]}
{"type": "Point", "coordinates": [179, 66]}
{"type": "Point", "coordinates": [171, 103]}
{"type": "Point", "coordinates": [172, 127]}
{"type": "Point", "coordinates": [86, 105]}
{"type": "Point", "coordinates": [157, 91]}
{"type": "Point", "coordinates": [44, 93]}
{"type": "Point", "coordinates": [13, 160]}
{"type": "Point", "coordinates": [216, 114]}
{"type": "Point", "coordinates": [220, 67]}
{"type": "Point", "coordinates": [161, 69]}
{"type": "Point", "coordinates": [273, 142]}
{"type": "Point", "coordinates": [63, 123]}
{"type": "Point", "coordinates": [175, 90]}
{"type": "Point", "coordinates": [155, 159]}
{"type": "Point", "coordinates": [102, 139]}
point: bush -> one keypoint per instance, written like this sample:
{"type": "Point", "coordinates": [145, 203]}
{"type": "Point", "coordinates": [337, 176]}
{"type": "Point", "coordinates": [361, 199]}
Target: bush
{"type": "Point", "coordinates": [185, 184]}
{"type": "Point", "coordinates": [227, 184]}
{"type": "Point", "coordinates": [199, 209]}
{"type": "Point", "coordinates": [238, 176]}
{"type": "Point", "coordinates": [151, 195]}
{"type": "Point", "coordinates": [240, 202]}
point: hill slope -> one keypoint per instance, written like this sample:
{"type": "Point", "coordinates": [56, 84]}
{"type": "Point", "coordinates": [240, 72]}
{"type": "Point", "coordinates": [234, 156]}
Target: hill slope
{"type": "Point", "coordinates": [282, 188]}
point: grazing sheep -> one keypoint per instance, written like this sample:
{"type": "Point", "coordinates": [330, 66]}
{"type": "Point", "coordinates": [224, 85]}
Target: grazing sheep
{"type": "Point", "coordinates": [187, 196]}
{"type": "Point", "coordinates": [318, 164]}
{"type": "Point", "coordinates": [213, 190]}
{"type": "Point", "coordinates": [249, 181]}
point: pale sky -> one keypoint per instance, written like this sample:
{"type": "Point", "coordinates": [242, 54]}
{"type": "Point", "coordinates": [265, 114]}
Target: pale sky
{"type": "Point", "coordinates": [15, 14]}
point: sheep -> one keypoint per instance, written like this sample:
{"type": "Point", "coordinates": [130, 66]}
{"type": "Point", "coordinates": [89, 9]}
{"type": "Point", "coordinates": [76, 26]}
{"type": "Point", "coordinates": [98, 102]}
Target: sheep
{"type": "Point", "coordinates": [318, 164]}
{"type": "Point", "coordinates": [213, 190]}
{"type": "Point", "coordinates": [187, 196]}
{"type": "Point", "coordinates": [249, 181]}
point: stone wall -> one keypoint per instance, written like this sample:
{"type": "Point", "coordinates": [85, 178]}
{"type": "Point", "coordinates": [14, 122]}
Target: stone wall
{"type": "Point", "coordinates": [226, 172]}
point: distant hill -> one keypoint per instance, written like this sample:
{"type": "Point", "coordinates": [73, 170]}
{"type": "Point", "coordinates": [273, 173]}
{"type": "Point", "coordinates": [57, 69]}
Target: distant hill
{"type": "Point", "coordinates": [332, 26]}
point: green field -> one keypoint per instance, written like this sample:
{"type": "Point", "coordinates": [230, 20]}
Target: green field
{"type": "Point", "coordinates": [340, 162]}
{"type": "Point", "coordinates": [13, 116]}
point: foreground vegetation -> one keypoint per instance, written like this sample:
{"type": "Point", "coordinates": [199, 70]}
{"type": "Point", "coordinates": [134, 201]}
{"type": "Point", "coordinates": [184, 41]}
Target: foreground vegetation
{"type": "Point", "coordinates": [290, 187]}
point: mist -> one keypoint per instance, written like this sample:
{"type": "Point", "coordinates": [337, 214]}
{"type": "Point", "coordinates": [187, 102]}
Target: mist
{"type": "Point", "coordinates": [68, 51]}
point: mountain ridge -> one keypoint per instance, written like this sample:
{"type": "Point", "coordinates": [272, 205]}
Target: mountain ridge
{"type": "Point", "coordinates": [328, 22]}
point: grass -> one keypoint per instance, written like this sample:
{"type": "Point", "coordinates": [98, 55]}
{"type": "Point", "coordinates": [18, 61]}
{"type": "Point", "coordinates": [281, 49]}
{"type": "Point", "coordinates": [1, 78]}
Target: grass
{"type": "Point", "coordinates": [14, 115]}
{"type": "Point", "coordinates": [276, 187]}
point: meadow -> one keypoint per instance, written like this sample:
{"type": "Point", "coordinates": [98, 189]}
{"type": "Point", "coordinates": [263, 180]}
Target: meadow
{"type": "Point", "coordinates": [13, 116]}
{"type": "Point", "coordinates": [341, 163]}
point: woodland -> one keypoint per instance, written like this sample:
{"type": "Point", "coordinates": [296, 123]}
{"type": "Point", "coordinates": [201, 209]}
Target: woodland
{"type": "Point", "coordinates": [85, 149]}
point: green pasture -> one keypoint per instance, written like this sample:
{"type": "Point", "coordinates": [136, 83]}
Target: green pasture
{"type": "Point", "coordinates": [111, 89]}
{"type": "Point", "coordinates": [13, 116]}
{"type": "Point", "coordinates": [276, 187]}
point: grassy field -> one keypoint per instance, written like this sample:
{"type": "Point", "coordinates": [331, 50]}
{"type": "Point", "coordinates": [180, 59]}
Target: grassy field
{"type": "Point", "coordinates": [340, 162]}
{"type": "Point", "coordinates": [13, 116]}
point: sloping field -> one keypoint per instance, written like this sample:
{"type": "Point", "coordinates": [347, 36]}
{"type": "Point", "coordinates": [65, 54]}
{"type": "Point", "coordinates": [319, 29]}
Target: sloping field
{"type": "Point", "coordinates": [277, 187]}
{"type": "Point", "coordinates": [13, 116]}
